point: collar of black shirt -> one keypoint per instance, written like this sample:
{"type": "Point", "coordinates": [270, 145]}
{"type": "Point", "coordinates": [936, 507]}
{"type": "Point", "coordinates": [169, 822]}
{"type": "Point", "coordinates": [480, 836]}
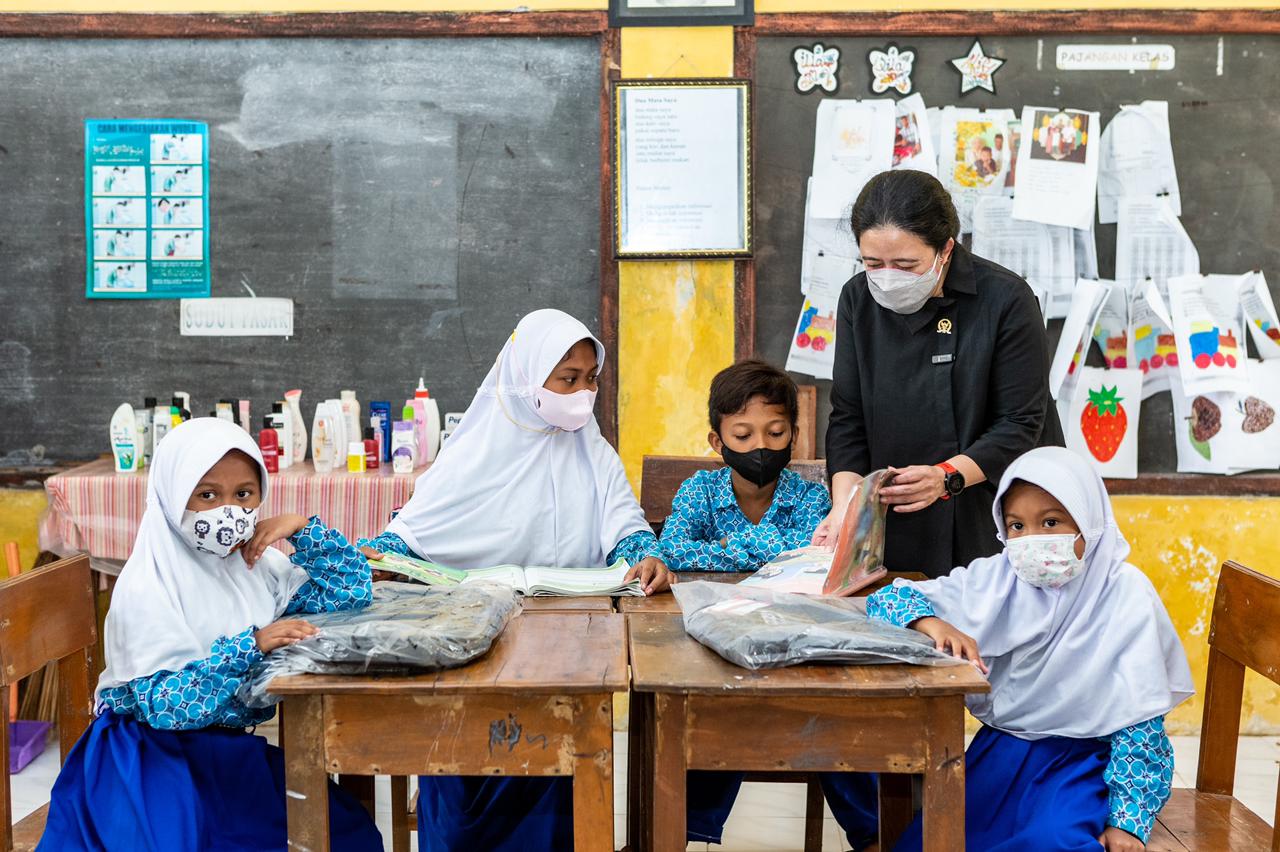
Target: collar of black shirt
{"type": "Point", "coordinates": [959, 281]}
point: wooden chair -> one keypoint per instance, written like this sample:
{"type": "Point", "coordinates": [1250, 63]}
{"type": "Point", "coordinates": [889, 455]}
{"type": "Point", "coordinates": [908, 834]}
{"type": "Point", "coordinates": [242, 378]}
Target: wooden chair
{"type": "Point", "coordinates": [1244, 633]}
{"type": "Point", "coordinates": [45, 615]}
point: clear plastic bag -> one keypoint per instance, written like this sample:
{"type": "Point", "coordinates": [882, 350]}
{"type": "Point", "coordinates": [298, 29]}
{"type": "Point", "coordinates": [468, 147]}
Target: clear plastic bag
{"type": "Point", "coordinates": [407, 628]}
{"type": "Point", "coordinates": [759, 629]}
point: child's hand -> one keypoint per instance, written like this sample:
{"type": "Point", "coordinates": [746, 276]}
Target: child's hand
{"type": "Point", "coordinates": [949, 640]}
{"type": "Point", "coordinates": [654, 575]}
{"type": "Point", "coordinates": [1118, 840]}
{"type": "Point", "coordinates": [375, 555]}
{"type": "Point", "coordinates": [825, 534]}
{"type": "Point", "coordinates": [283, 633]}
{"type": "Point", "coordinates": [268, 533]}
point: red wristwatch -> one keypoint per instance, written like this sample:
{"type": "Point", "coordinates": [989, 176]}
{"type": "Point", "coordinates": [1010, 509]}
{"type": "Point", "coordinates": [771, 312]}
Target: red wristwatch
{"type": "Point", "coordinates": [953, 480]}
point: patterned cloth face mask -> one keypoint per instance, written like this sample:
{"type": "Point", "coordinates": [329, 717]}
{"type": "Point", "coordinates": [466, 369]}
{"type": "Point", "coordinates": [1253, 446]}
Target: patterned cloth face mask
{"type": "Point", "coordinates": [1045, 561]}
{"type": "Point", "coordinates": [219, 530]}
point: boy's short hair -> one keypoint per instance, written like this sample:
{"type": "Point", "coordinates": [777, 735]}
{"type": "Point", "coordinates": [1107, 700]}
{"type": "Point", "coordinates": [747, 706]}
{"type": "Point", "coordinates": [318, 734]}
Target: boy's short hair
{"type": "Point", "coordinates": [735, 386]}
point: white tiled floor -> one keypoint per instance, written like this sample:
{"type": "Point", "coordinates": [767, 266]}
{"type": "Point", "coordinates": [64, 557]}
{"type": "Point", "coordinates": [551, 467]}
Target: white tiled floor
{"type": "Point", "coordinates": [766, 816]}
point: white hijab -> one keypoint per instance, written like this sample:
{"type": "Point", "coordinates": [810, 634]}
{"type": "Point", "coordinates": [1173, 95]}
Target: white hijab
{"type": "Point", "coordinates": [509, 489]}
{"type": "Point", "coordinates": [172, 601]}
{"type": "Point", "coordinates": [1085, 660]}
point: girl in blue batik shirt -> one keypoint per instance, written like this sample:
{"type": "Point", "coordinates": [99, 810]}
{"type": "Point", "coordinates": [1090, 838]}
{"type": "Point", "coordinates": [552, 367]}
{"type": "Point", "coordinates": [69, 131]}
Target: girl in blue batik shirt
{"type": "Point", "coordinates": [167, 764]}
{"type": "Point", "coordinates": [1083, 663]}
{"type": "Point", "coordinates": [526, 479]}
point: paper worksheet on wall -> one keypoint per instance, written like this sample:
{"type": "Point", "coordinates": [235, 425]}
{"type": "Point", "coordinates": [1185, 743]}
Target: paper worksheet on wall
{"type": "Point", "coordinates": [1151, 243]}
{"type": "Point", "coordinates": [1136, 159]}
{"type": "Point", "coordinates": [813, 344]}
{"type": "Point", "coordinates": [1042, 254]}
{"type": "Point", "coordinates": [1260, 312]}
{"type": "Point", "coordinates": [1057, 167]}
{"type": "Point", "coordinates": [146, 209]}
{"type": "Point", "coordinates": [1087, 300]}
{"type": "Point", "coordinates": [853, 142]}
{"type": "Point", "coordinates": [830, 238]}
{"type": "Point", "coordinates": [1208, 328]}
{"type": "Point", "coordinates": [1151, 337]}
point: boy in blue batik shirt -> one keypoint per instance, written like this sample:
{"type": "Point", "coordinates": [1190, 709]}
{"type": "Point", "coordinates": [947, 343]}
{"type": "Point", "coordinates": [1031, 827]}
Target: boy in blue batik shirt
{"type": "Point", "coordinates": [741, 516]}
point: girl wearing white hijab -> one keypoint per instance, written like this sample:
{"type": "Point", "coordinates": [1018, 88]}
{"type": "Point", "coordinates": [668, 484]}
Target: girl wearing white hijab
{"type": "Point", "coordinates": [168, 764]}
{"type": "Point", "coordinates": [526, 479]}
{"type": "Point", "coordinates": [1083, 664]}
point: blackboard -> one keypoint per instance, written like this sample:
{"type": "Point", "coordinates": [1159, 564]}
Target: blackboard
{"type": "Point", "coordinates": [1223, 123]}
{"type": "Point", "coordinates": [414, 197]}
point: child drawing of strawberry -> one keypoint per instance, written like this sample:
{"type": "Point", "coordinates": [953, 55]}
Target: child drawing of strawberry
{"type": "Point", "coordinates": [1104, 423]}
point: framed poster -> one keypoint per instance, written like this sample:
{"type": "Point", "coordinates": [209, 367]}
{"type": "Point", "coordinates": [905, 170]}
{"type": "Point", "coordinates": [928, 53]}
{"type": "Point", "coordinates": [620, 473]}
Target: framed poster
{"type": "Point", "coordinates": [682, 168]}
{"type": "Point", "coordinates": [681, 13]}
{"type": "Point", "coordinates": [146, 209]}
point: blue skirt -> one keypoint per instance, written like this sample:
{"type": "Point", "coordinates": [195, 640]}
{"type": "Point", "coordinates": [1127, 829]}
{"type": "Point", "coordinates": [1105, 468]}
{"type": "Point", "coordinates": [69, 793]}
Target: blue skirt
{"type": "Point", "coordinates": [128, 786]}
{"type": "Point", "coordinates": [1048, 795]}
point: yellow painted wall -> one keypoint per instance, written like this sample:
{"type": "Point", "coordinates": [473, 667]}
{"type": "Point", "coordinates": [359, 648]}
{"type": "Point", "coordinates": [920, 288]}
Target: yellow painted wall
{"type": "Point", "coordinates": [675, 319]}
{"type": "Point", "coordinates": [19, 513]}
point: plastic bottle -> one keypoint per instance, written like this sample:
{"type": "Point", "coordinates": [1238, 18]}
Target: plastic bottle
{"type": "Point", "coordinates": [422, 398]}
{"type": "Point", "coordinates": [355, 457]}
{"type": "Point", "coordinates": [225, 410]}
{"type": "Point", "coordinates": [381, 410]}
{"type": "Point", "coordinates": [299, 437]}
{"type": "Point", "coordinates": [161, 423]}
{"type": "Point", "coordinates": [179, 411]}
{"type": "Point", "coordinates": [402, 446]}
{"type": "Point", "coordinates": [372, 458]}
{"type": "Point", "coordinates": [375, 423]}
{"type": "Point", "coordinates": [280, 422]}
{"type": "Point", "coordinates": [244, 415]}
{"type": "Point", "coordinates": [185, 403]}
{"type": "Point", "coordinates": [124, 439]}
{"type": "Point", "coordinates": [339, 430]}
{"type": "Point", "coordinates": [142, 419]}
{"type": "Point", "coordinates": [269, 443]}
{"type": "Point", "coordinates": [351, 411]}
{"type": "Point", "coordinates": [322, 446]}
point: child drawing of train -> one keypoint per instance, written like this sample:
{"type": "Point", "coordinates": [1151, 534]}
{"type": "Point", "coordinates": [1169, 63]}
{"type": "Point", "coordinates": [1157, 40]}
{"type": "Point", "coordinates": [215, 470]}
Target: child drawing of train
{"type": "Point", "coordinates": [1209, 346]}
{"type": "Point", "coordinates": [815, 332]}
{"type": "Point", "coordinates": [1153, 350]}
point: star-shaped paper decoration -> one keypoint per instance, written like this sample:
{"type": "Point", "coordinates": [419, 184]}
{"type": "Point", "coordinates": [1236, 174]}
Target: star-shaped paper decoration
{"type": "Point", "coordinates": [816, 68]}
{"type": "Point", "coordinates": [891, 69]}
{"type": "Point", "coordinates": [977, 70]}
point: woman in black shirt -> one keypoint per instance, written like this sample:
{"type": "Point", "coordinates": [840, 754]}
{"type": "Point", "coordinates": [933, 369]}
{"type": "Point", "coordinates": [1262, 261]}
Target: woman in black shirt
{"type": "Point", "coordinates": [941, 375]}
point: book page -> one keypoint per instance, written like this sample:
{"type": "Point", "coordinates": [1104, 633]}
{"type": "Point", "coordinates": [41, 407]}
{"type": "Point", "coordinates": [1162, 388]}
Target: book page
{"type": "Point", "coordinates": [507, 575]}
{"type": "Point", "coordinates": [419, 569]}
{"type": "Point", "coordinates": [542, 579]}
{"type": "Point", "coordinates": [801, 571]}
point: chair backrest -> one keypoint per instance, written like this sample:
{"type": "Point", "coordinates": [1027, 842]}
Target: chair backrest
{"type": "Point", "coordinates": [1244, 633]}
{"type": "Point", "coordinates": [46, 615]}
{"type": "Point", "coordinates": [662, 476]}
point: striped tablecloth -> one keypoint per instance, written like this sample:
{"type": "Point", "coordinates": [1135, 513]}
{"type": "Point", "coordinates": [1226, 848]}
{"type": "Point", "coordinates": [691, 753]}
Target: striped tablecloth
{"type": "Point", "coordinates": [93, 509]}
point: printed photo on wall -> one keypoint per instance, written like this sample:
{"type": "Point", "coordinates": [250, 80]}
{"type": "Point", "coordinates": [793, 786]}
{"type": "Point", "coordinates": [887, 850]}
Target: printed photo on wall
{"type": "Point", "coordinates": [120, 212]}
{"type": "Point", "coordinates": [974, 156]}
{"type": "Point", "coordinates": [119, 180]}
{"type": "Point", "coordinates": [177, 180]}
{"type": "Point", "coordinates": [120, 244]}
{"type": "Point", "coordinates": [1057, 167]}
{"type": "Point", "coordinates": [912, 140]}
{"type": "Point", "coordinates": [168, 212]}
{"type": "Point", "coordinates": [120, 277]}
{"type": "Point", "coordinates": [177, 245]}
{"type": "Point", "coordinates": [1102, 422]}
{"type": "Point", "coordinates": [177, 148]}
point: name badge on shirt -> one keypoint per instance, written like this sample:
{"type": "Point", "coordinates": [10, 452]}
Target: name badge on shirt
{"type": "Point", "coordinates": [943, 359]}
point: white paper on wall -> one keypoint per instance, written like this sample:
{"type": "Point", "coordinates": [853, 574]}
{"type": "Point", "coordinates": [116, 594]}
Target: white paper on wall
{"type": "Point", "coordinates": [1136, 159]}
{"type": "Point", "coordinates": [1208, 327]}
{"type": "Point", "coordinates": [1155, 351]}
{"type": "Point", "coordinates": [853, 143]}
{"type": "Point", "coordinates": [1151, 243]}
{"type": "Point", "coordinates": [973, 156]}
{"type": "Point", "coordinates": [1260, 314]}
{"type": "Point", "coordinates": [825, 237]}
{"type": "Point", "coordinates": [814, 343]}
{"type": "Point", "coordinates": [1102, 422]}
{"type": "Point", "coordinates": [1057, 167]}
{"type": "Point", "coordinates": [913, 145]}
{"type": "Point", "coordinates": [1077, 330]}
{"type": "Point", "coordinates": [1111, 328]}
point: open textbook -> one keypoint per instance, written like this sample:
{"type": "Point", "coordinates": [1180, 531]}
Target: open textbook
{"type": "Point", "coordinates": [856, 561]}
{"type": "Point", "coordinates": [534, 580]}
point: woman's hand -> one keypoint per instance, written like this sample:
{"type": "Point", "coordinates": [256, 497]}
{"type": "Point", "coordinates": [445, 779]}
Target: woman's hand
{"type": "Point", "coordinates": [1118, 840]}
{"type": "Point", "coordinates": [914, 488]}
{"type": "Point", "coordinates": [654, 575]}
{"type": "Point", "coordinates": [268, 532]}
{"type": "Point", "coordinates": [827, 531]}
{"type": "Point", "coordinates": [949, 640]}
{"type": "Point", "coordinates": [283, 633]}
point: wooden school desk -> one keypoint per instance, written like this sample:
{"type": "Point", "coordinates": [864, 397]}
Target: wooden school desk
{"type": "Point", "coordinates": [555, 603]}
{"type": "Point", "coordinates": [525, 708]}
{"type": "Point", "coordinates": [697, 711]}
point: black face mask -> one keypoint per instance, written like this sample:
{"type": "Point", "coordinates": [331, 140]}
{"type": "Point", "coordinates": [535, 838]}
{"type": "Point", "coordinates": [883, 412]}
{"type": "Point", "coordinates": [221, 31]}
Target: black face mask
{"type": "Point", "coordinates": [760, 466]}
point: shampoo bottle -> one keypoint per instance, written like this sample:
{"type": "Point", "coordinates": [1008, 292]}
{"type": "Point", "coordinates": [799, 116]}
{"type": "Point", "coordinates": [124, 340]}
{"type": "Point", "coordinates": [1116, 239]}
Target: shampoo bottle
{"type": "Point", "coordinates": [161, 423]}
{"type": "Point", "coordinates": [225, 410]}
{"type": "Point", "coordinates": [244, 416]}
{"type": "Point", "coordinates": [124, 439]}
{"type": "Point", "coordinates": [322, 439]}
{"type": "Point", "coordinates": [338, 429]}
{"type": "Point", "coordinates": [422, 398]}
{"type": "Point", "coordinates": [351, 411]}
{"type": "Point", "coordinates": [269, 443]}
{"type": "Point", "coordinates": [372, 457]}
{"type": "Point", "coordinates": [381, 410]}
{"type": "Point", "coordinates": [143, 419]}
{"type": "Point", "coordinates": [299, 436]}
{"type": "Point", "coordinates": [402, 446]}
{"type": "Point", "coordinates": [280, 422]}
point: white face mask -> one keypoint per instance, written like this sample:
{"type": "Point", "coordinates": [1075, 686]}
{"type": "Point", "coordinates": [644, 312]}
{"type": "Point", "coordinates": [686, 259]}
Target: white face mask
{"type": "Point", "coordinates": [567, 411]}
{"type": "Point", "coordinates": [1045, 561]}
{"type": "Point", "coordinates": [903, 292]}
{"type": "Point", "coordinates": [219, 530]}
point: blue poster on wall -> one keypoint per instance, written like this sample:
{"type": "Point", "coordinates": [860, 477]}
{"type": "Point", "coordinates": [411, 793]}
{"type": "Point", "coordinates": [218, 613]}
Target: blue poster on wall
{"type": "Point", "coordinates": [146, 209]}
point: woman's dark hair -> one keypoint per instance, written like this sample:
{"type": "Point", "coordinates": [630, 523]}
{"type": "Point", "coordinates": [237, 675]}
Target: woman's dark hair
{"type": "Point", "coordinates": [908, 199]}
{"type": "Point", "coordinates": [735, 386]}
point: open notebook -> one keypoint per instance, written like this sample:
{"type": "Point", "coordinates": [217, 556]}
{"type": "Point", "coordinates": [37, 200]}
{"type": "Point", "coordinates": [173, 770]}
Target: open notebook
{"type": "Point", "coordinates": [534, 580]}
{"type": "Point", "coordinates": [856, 561]}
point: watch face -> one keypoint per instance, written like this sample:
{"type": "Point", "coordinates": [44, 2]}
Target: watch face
{"type": "Point", "coordinates": [955, 482]}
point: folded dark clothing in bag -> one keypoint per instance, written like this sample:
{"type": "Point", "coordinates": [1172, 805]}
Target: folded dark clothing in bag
{"type": "Point", "coordinates": [758, 629]}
